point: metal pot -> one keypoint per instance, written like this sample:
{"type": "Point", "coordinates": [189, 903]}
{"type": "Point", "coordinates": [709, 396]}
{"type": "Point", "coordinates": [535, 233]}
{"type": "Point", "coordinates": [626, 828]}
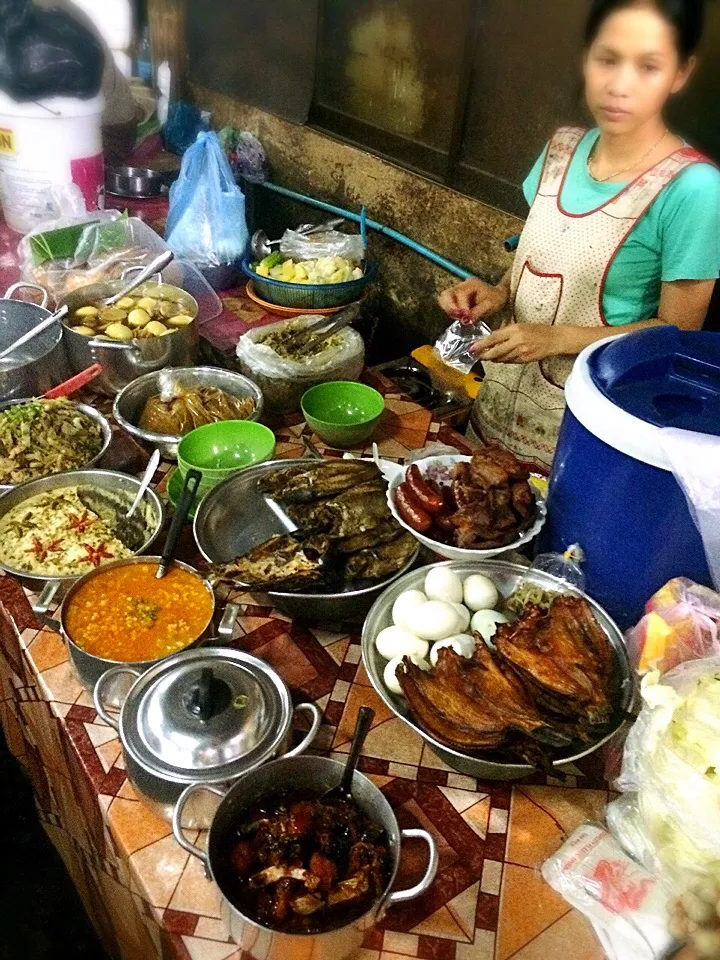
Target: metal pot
{"type": "Point", "coordinates": [125, 360]}
{"type": "Point", "coordinates": [235, 516]}
{"type": "Point", "coordinates": [303, 774]}
{"type": "Point", "coordinates": [109, 480]}
{"type": "Point", "coordinates": [105, 430]}
{"type": "Point", "coordinates": [41, 363]}
{"type": "Point", "coordinates": [129, 404]}
{"type": "Point", "coordinates": [202, 716]}
{"type": "Point", "coordinates": [89, 667]}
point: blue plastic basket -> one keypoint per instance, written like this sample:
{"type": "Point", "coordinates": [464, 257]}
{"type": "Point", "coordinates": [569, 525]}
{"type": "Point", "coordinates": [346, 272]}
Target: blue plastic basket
{"type": "Point", "coordinates": [309, 296]}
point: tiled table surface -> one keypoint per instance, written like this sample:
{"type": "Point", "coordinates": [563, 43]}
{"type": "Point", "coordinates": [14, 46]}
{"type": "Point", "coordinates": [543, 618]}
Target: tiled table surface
{"type": "Point", "coordinates": [148, 899]}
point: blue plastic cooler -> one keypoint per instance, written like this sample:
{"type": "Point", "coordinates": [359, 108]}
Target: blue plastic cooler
{"type": "Point", "coordinates": [612, 489]}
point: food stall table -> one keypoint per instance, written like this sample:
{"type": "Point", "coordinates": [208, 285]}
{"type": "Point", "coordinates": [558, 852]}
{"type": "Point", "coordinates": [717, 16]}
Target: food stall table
{"type": "Point", "coordinates": [149, 899]}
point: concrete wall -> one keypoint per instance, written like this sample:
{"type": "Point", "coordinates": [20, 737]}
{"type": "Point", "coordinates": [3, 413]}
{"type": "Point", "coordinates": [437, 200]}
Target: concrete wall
{"type": "Point", "coordinates": [458, 227]}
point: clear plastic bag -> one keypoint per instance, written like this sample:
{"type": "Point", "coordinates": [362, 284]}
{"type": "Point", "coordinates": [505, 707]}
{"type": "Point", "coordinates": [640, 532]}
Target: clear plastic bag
{"type": "Point", "coordinates": [206, 222]}
{"type": "Point", "coordinates": [681, 624]}
{"type": "Point", "coordinates": [626, 905]}
{"type": "Point", "coordinates": [671, 759]}
{"type": "Point", "coordinates": [331, 243]}
{"type": "Point", "coordinates": [283, 380]}
{"type": "Point", "coordinates": [455, 347]}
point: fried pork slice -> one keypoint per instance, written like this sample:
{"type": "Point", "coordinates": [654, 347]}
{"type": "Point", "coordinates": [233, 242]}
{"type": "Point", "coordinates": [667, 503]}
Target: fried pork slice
{"type": "Point", "coordinates": [280, 562]}
{"type": "Point", "coordinates": [382, 560]}
{"type": "Point", "coordinates": [301, 484]}
{"type": "Point", "coordinates": [445, 711]}
{"type": "Point", "coordinates": [564, 657]}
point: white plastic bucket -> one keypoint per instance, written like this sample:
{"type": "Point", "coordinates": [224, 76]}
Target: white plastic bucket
{"type": "Point", "coordinates": [45, 147]}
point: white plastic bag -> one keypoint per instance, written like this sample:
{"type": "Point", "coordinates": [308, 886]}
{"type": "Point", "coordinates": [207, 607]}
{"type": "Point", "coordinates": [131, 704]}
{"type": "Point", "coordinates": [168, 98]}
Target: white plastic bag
{"type": "Point", "coordinates": [282, 380]}
{"type": "Point", "coordinates": [455, 347]}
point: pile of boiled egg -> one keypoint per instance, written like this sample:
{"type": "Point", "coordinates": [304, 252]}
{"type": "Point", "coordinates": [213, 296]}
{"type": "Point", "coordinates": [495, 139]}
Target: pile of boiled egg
{"type": "Point", "coordinates": [446, 614]}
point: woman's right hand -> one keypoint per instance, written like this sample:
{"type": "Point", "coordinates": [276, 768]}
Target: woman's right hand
{"type": "Point", "coordinates": [473, 300]}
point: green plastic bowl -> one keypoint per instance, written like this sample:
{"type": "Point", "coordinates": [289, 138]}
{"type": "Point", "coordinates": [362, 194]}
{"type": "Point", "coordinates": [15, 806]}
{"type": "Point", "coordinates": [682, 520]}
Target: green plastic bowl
{"type": "Point", "coordinates": [218, 450]}
{"type": "Point", "coordinates": [342, 413]}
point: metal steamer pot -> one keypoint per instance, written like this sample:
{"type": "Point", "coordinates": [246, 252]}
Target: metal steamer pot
{"type": "Point", "coordinates": [205, 717]}
{"type": "Point", "coordinates": [39, 364]}
{"type": "Point", "coordinates": [313, 775]}
{"type": "Point", "coordinates": [125, 360]}
{"type": "Point", "coordinates": [89, 667]}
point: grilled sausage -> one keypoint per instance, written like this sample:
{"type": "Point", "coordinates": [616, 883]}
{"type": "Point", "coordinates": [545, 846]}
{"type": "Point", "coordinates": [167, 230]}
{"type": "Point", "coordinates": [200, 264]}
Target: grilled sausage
{"type": "Point", "coordinates": [411, 510]}
{"type": "Point", "coordinates": [430, 500]}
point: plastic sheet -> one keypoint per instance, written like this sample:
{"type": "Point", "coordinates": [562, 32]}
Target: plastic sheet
{"type": "Point", "coordinates": [331, 243]}
{"type": "Point", "coordinates": [47, 53]}
{"type": "Point", "coordinates": [283, 381]}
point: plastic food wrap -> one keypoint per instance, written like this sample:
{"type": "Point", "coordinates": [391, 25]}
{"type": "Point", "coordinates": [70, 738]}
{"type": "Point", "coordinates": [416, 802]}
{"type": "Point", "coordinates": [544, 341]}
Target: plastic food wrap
{"type": "Point", "coordinates": [626, 905]}
{"type": "Point", "coordinates": [331, 243]}
{"type": "Point", "coordinates": [672, 764]}
{"type": "Point", "coordinates": [455, 346]}
{"type": "Point", "coordinates": [181, 411]}
{"type": "Point", "coordinates": [681, 624]}
{"type": "Point", "coordinates": [282, 379]}
{"type": "Point", "coordinates": [564, 566]}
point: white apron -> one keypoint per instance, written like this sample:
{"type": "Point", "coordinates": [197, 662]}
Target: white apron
{"type": "Point", "coordinates": [558, 277]}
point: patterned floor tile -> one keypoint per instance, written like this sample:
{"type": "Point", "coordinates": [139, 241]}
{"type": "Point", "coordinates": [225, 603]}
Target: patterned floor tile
{"type": "Point", "coordinates": [528, 906]}
{"type": "Point", "coordinates": [135, 826]}
{"type": "Point", "coordinates": [195, 893]}
{"type": "Point", "coordinates": [571, 931]}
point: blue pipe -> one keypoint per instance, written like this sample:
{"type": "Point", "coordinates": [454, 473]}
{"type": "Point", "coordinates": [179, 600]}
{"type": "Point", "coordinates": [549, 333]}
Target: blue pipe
{"type": "Point", "coordinates": [377, 227]}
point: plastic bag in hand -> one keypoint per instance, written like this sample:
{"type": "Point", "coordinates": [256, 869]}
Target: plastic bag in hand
{"type": "Point", "coordinates": [47, 53]}
{"type": "Point", "coordinates": [455, 346]}
{"type": "Point", "coordinates": [206, 223]}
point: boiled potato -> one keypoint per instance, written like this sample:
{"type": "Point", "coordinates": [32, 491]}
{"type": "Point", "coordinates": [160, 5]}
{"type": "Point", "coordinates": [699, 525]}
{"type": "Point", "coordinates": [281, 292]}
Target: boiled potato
{"type": "Point", "coordinates": [87, 312]}
{"type": "Point", "coordinates": [138, 317]}
{"type": "Point", "coordinates": [167, 308]}
{"type": "Point", "coordinates": [118, 331]}
{"type": "Point", "coordinates": [181, 320]}
{"type": "Point", "coordinates": [155, 328]}
{"type": "Point", "coordinates": [127, 303]}
{"type": "Point", "coordinates": [113, 315]}
{"type": "Point", "coordinates": [147, 303]}
{"type": "Point", "coordinates": [85, 331]}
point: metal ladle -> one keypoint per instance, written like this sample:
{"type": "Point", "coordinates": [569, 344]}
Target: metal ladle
{"type": "Point", "coordinates": [262, 247]}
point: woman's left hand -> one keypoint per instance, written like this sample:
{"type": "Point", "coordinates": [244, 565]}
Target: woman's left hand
{"type": "Point", "coordinates": [521, 343]}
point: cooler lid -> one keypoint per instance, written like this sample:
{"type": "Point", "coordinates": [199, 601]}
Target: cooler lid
{"type": "Point", "coordinates": [664, 376]}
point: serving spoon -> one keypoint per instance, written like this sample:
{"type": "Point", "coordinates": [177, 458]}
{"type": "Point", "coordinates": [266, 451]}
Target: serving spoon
{"type": "Point", "coordinates": [343, 791]}
{"type": "Point", "coordinates": [262, 247]}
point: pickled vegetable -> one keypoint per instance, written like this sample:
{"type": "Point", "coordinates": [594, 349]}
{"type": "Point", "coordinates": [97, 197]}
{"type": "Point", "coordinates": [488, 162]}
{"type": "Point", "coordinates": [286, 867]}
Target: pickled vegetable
{"type": "Point", "coordinates": [189, 408]}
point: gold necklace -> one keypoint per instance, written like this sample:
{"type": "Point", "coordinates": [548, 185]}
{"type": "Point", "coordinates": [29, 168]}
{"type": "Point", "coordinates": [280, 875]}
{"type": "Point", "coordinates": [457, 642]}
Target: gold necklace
{"type": "Point", "coordinates": [618, 173]}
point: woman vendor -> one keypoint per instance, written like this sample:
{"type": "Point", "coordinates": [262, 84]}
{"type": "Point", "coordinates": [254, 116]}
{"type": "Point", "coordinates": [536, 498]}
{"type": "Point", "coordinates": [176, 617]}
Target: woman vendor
{"type": "Point", "coordinates": [623, 231]}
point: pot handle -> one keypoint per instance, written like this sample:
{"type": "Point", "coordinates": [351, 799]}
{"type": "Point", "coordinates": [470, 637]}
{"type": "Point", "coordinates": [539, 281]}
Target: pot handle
{"type": "Point", "coordinates": [100, 688]}
{"type": "Point", "coordinates": [227, 623]}
{"type": "Point", "coordinates": [402, 896]}
{"type": "Point", "coordinates": [44, 602]}
{"type": "Point", "coordinates": [115, 344]}
{"type": "Point", "coordinates": [129, 271]}
{"type": "Point", "coordinates": [315, 718]}
{"type": "Point", "coordinates": [30, 286]}
{"type": "Point", "coordinates": [177, 819]}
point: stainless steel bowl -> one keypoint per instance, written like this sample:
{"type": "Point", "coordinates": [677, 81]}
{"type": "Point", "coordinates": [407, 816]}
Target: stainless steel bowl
{"type": "Point", "coordinates": [125, 360]}
{"type": "Point", "coordinates": [130, 402]}
{"type": "Point", "coordinates": [234, 517]}
{"type": "Point", "coordinates": [113, 482]}
{"type": "Point", "coordinates": [91, 412]}
{"type": "Point", "coordinates": [506, 577]}
{"type": "Point", "coordinates": [138, 182]}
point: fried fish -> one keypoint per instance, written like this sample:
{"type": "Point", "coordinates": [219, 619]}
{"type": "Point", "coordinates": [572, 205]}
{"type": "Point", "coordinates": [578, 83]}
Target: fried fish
{"type": "Point", "coordinates": [316, 481]}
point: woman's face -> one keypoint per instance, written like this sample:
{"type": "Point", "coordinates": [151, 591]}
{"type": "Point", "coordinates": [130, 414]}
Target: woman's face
{"type": "Point", "coordinates": [632, 68]}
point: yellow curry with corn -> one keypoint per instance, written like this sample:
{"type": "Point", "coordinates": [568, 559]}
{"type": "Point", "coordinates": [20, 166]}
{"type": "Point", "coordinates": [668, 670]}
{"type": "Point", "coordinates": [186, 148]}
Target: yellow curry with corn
{"type": "Point", "coordinates": [125, 614]}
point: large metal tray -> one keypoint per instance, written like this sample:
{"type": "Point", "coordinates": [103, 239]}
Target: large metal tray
{"type": "Point", "coordinates": [235, 517]}
{"type": "Point", "coordinates": [506, 577]}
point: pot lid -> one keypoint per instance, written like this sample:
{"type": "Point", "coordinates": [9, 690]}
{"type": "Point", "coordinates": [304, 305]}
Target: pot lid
{"type": "Point", "coordinates": [664, 377]}
{"type": "Point", "coordinates": [210, 714]}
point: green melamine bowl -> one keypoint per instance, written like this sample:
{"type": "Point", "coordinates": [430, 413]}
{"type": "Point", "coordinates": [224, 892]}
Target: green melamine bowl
{"type": "Point", "coordinates": [342, 413]}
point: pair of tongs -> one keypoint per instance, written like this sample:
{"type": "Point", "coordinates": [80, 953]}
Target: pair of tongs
{"type": "Point", "coordinates": [326, 327]}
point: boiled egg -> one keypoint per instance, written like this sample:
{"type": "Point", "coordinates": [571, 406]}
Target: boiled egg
{"type": "Point", "coordinates": [405, 604]}
{"type": "Point", "coordinates": [463, 617]}
{"type": "Point", "coordinates": [485, 622]}
{"type": "Point", "coordinates": [463, 644]}
{"type": "Point", "coordinates": [390, 673]}
{"type": "Point", "coordinates": [480, 593]}
{"type": "Point", "coordinates": [443, 584]}
{"type": "Point", "coordinates": [395, 642]}
{"type": "Point", "coordinates": [434, 620]}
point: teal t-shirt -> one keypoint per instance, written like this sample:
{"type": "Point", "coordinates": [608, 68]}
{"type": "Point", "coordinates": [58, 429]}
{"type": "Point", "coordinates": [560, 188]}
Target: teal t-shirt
{"type": "Point", "coordinates": [677, 239]}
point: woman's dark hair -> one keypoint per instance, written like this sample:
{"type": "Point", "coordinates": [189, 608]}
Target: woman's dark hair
{"type": "Point", "coordinates": [686, 16]}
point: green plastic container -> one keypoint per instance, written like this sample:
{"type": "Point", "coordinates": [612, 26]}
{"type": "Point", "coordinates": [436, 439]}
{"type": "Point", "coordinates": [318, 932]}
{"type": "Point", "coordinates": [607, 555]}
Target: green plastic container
{"type": "Point", "coordinates": [218, 450]}
{"type": "Point", "coordinates": [342, 413]}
